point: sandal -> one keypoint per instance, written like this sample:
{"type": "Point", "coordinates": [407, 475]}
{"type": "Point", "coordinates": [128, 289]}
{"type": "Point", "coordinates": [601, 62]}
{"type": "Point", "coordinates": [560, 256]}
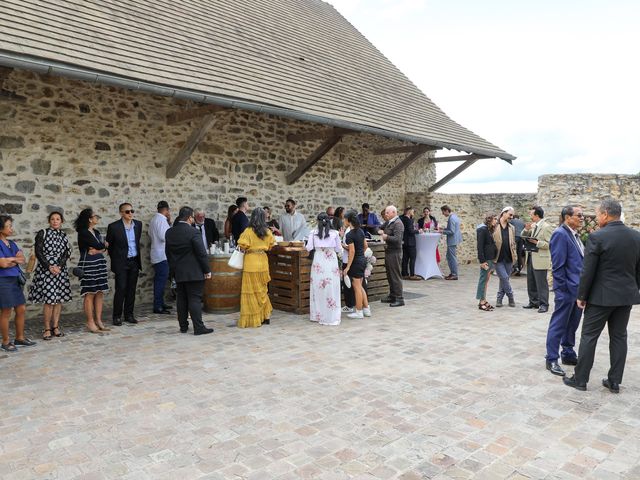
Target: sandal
{"type": "Point", "coordinates": [485, 307]}
{"type": "Point", "coordinates": [9, 347]}
{"type": "Point", "coordinates": [59, 334]}
{"type": "Point", "coordinates": [44, 334]}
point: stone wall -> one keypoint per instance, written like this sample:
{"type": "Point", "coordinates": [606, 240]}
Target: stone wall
{"type": "Point", "coordinates": [74, 144]}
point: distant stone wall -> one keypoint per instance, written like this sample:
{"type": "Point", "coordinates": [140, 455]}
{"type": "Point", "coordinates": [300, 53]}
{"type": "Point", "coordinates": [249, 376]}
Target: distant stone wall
{"type": "Point", "coordinates": [74, 144]}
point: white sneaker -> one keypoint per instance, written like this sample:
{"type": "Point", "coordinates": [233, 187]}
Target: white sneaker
{"type": "Point", "coordinates": [366, 311]}
{"type": "Point", "coordinates": [356, 314]}
{"type": "Point", "coordinates": [346, 309]}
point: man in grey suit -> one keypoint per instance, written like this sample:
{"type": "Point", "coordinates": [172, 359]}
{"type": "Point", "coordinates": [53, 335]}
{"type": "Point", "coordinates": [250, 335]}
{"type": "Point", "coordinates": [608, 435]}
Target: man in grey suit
{"type": "Point", "coordinates": [454, 238]}
{"type": "Point", "coordinates": [392, 232]}
{"type": "Point", "coordinates": [609, 286]}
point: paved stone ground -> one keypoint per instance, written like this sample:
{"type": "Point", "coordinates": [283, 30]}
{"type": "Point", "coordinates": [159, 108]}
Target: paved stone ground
{"type": "Point", "coordinates": [437, 389]}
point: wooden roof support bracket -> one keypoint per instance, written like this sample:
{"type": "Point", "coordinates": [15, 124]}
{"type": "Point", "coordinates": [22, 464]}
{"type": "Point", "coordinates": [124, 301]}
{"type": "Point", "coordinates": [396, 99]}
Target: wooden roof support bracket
{"type": "Point", "coordinates": [182, 116]}
{"type": "Point", "coordinates": [402, 165]}
{"type": "Point", "coordinates": [199, 134]}
{"type": "Point", "coordinates": [322, 134]}
{"type": "Point", "coordinates": [312, 159]}
{"type": "Point", "coordinates": [457, 171]}
{"type": "Point", "coordinates": [402, 149]}
{"type": "Point", "coordinates": [457, 158]}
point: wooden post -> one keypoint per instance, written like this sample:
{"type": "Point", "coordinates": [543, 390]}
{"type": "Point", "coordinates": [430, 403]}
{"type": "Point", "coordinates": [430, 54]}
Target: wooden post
{"type": "Point", "coordinates": [200, 132]}
{"type": "Point", "coordinates": [412, 157]}
{"type": "Point", "coordinates": [452, 174]}
{"type": "Point", "coordinates": [312, 159]}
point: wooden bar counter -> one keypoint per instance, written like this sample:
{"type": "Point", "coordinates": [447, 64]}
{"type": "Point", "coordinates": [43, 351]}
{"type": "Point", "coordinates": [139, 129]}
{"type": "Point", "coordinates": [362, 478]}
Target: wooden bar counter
{"type": "Point", "coordinates": [290, 269]}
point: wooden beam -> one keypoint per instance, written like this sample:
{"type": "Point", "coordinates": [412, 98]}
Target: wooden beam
{"type": "Point", "coordinates": [404, 149]}
{"type": "Point", "coordinates": [452, 174]}
{"type": "Point", "coordinates": [7, 96]}
{"type": "Point", "coordinates": [457, 158]}
{"type": "Point", "coordinates": [322, 134]}
{"type": "Point", "coordinates": [402, 165]}
{"type": "Point", "coordinates": [182, 116]}
{"type": "Point", "coordinates": [200, 132]}
{"type": "Point", "coordinates": [312, 159]}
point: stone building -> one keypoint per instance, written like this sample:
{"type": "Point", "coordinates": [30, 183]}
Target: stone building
{"type": "Point", "coordinates": [198, 103]}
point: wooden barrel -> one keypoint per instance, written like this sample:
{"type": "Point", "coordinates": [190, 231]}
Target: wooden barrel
{"type": "Point", "coordinates": [222, 290]}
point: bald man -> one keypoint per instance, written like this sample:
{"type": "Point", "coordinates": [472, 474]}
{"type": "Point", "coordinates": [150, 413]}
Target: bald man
{"type": "Point", "coordinates": [392, 232]}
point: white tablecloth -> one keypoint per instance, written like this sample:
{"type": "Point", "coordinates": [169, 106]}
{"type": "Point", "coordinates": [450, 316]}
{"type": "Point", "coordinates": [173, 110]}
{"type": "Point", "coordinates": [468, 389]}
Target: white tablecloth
{"type": "Point", "coordinates": [426, 264]}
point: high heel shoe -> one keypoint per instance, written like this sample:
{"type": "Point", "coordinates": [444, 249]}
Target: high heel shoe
{"type": "Point", "coordinates": [93, 331]}
{"type": "Point", "coordinates": [102, 328]}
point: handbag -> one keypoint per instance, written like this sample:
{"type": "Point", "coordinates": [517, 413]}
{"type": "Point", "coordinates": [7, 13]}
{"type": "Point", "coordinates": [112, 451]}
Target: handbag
{"type": "Point", "coordinates": [237, 259]}
{"type": "Point", "coordinates": [79, 271]}
{"type": "Point", "coordinates": [22, 279]}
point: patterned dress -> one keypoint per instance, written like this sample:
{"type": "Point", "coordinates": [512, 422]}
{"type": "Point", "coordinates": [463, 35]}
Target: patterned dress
{"type": "Point", "coordinates": [95, 277]}
{"type": "Point", "coordinates": [324, 302]}
{"type": "Point", "coordinates": [52, 248]}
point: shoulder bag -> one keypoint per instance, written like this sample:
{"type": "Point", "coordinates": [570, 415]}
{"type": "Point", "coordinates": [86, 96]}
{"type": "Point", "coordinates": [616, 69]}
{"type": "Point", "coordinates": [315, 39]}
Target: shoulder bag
{"type": "Point", "coordinates": [237, 259]}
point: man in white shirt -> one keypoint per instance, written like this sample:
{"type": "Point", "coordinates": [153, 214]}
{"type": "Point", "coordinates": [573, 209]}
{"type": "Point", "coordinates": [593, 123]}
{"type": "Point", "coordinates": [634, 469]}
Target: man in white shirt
{"type": "Point", "coordinates": [292, 224]}
{"type": "Point", "coordinates": [160, 223]}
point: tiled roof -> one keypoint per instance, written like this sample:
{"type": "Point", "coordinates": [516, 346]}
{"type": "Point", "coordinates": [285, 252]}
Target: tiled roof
{"type": "Point", "coordinates": [298, 55]}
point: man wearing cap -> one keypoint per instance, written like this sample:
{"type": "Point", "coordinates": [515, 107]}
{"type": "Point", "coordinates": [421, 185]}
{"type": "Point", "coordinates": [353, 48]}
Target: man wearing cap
{"type": "Point", "coordinates": [537, 235]}
{"type": "Point", "coordinates": [158, 226]}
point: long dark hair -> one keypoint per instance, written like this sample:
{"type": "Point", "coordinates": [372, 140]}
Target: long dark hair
{"type": "Point", "coordinates": [337, 218]}
{"type": "Point", "coordinates": [488, 221]}
{"type": "Point", "coordinates": [258, 222]}
{"type": "Point", "coordinates": [352, 217]}
{"type": "Point", "coordinates": [82, 222]}
{"type": "Point", "coordinates": [231, 211]}
{"type": "Point", "coordinates": [324, 225]}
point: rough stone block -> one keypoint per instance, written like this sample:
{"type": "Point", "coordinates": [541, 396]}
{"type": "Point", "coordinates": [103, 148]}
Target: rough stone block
{"type": "Point", "coordinates": [25, 186]}
{"type": "Point", "coordinates": [11, 142]}
{"type": "Point", "coordinates": [11, 208]}
{"type": "Point", "coordinates": [103, 146]}
{"type": "Point", "coordinates": [41, 166]}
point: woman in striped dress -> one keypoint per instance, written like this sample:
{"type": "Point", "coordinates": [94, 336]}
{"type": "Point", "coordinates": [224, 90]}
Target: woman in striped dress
{"type": "Point", "coordinates": [93, 284]}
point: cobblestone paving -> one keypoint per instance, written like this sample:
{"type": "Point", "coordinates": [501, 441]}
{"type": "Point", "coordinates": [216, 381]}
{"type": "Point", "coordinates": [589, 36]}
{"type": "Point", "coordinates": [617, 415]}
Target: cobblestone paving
{"type": "Point", "coordinates": [437, 389]}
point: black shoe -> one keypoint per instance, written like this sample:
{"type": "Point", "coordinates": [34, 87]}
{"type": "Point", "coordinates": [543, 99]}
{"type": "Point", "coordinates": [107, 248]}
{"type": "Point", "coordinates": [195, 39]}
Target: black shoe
{"type": "Point", "coordinates": [164, 311]}
{"type": "Point", "coordinates": [554, 368]}
{"type": "Point", "coordinates": [530, 306]}
{"type": "Point", "coordinates": [24, 343]}
{"type": "Point", "coordinates": [203, 331]}
{"type": "Point", "coordinates": [571, 382]}
{"type": "Point", "coordinates": [184, 330]}
{"type": "Point", "coordinates": [117, 321]}
{"type": "Point", "coordinates": [399, 302]}
{"type": "Point", "coordinates": [451, 277]}
{"type": "Point", "coordinates": [543, 309]}
{"type": "Point", "coordinates": [498, 303]}
{"type": "Point", "coordinates": [512, 302]}
{"type": "Point", "coordinates": [266, 321]}
{"type": "Point", "coordinates": [387, 299]}
{"type": "Point", "coordinates": [166, 307]}
{"type": "Point", "coordinates": [131, 320]}
{"type": "Point", "coordinates": [569, 361]}
{"type": "Point", "coordinates": [613, 387]}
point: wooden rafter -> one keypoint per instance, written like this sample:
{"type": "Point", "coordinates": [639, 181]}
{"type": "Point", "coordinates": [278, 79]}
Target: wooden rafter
{"type": "Point", "coordinates": [312, 159]}
{"type": "Point", "coordinates": [402, 165]}
{"type": "Point", "coordinates": [457, 158]}
{"type": "Point", "coordinates": [402, 149]}
{"type": "Point", "coordinates": [322, 134]}
{"type": "Point", "coordinates": [198, 134]}
{"type": "Point", "coordinates": [182, 116]}
{"type": "Point", "coordinates": [454, 173]}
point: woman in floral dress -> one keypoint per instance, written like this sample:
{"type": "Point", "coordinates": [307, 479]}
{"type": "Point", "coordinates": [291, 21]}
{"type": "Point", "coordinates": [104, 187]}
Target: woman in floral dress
{"type": "Point", "coordinates": [324, 304]}
{"type": "Point", "coordinates": [50, 284]}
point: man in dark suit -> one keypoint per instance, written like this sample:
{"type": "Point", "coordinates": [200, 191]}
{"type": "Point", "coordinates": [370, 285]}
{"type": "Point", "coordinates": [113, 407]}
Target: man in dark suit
{"type": "Point", "coordinates": [123, 238]}
{"type": "Point", "coordinates": [206, 228]}
{"type": "Point", "coordinates": [408, 246]}
{"type": "Point", "coordinates": [240, 221]}
{"type": "Point", "coordinates": [189, 263]}
{"type": "Point", "coordinates": [608, 288]}
{"type": "Point", "coordinates": [567, 254]}
{"type": "Point", "coordinates": [392, 233]}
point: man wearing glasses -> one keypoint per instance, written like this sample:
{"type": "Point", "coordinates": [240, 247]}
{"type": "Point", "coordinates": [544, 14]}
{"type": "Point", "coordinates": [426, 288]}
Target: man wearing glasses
{"type": "Point", "coordinates": [123, 237]}
{"type": "Point", "coordinates": [567, 254]}
{"type": "Point", "coordinates": [536, 236]}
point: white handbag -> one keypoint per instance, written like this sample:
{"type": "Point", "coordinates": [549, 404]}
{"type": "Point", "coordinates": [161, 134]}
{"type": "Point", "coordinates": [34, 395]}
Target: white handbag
{"type": "Point", "coordinates": [237, 259]}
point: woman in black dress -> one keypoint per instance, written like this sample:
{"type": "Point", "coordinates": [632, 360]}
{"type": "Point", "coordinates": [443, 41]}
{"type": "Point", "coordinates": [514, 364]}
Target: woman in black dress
{"type": "Point", "coordinates": [93, 284]}
{"type": "Point", "coordinates": [357, 263]}
{"type": "Point", "coordinates": [487, 252]}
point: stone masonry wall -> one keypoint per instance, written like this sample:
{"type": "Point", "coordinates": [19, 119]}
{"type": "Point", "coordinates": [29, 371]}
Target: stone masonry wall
{"type": "Point", "coordinates": [73, 144]}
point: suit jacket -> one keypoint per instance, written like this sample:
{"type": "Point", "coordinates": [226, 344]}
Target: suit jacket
{"type": "Point", "coordinates": [487, 250]}
{"type": "Point", "coordinates": [611, 273]}
{"type": "Point", "coordinates": [119, 246]}
{"type": "Point", "coordinates": [210, 231]}
{"type": "Point", "coordinates": [453, 233]}
{"type": "Point", "coordinates": [497, 237]}
{"type": "Point", "coordinates": [395, 232]}
{"type": "Point", "coordinates": [540, 260]}
{"type": "Point", "coordinates": [409, 235]}
{"type": "Point", "coordinates": [567, 260]}
{"type": "Point", "coordinates": [187, 257]}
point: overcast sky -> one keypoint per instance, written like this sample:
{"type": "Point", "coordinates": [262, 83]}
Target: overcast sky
{"type": "Point", "coordinates": [555, 83]}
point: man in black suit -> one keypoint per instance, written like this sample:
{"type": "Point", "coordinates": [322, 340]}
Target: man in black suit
{"type": "Point", "coordinates": [609, 286]}
{"type": "Point", "coordinates": [206, 228]}
{"type": "Point", "coordinates": [409, 246]}
{"type": "Point", "coordinates": [123, 238]}
{"type": "Point", "coordinates": [392, 232]}
{"type": "Point", "coordinates": [240, 221]}
{"type": "Point", "coordinates": [188, 261]}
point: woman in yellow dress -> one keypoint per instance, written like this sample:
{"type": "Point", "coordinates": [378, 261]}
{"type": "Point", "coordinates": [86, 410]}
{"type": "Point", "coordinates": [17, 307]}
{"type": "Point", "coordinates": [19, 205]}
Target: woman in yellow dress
{"type": "Point", "coordinates": [255, 241]}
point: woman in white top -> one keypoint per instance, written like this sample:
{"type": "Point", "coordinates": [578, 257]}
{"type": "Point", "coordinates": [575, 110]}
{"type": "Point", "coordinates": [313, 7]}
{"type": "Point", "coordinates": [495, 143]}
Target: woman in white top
{"type": "Point", "coordinates": [324, 304]}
